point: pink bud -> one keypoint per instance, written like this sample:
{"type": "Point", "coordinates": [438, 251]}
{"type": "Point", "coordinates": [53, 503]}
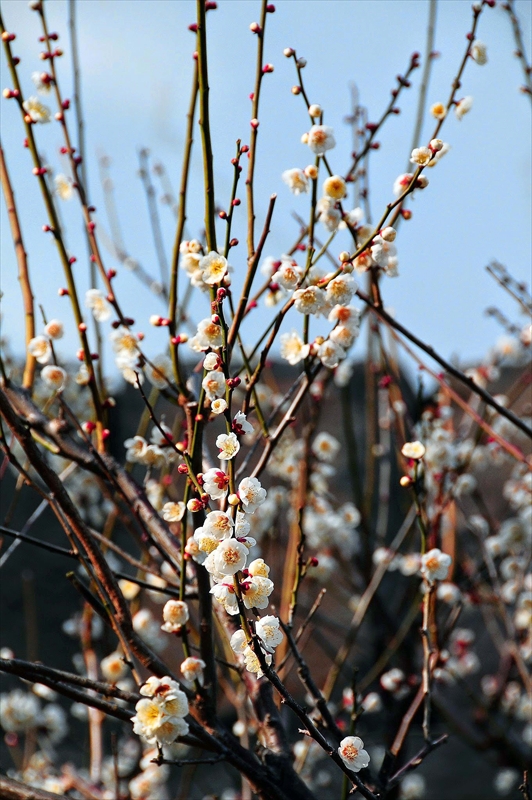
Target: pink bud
{"type": "Point", "coordinates": [254, 124]}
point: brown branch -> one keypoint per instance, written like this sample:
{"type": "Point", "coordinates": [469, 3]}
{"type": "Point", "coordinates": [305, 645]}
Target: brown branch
{"type": "Point", "coordinates": [23, 272]}
{"type": "Point", "coordinates": [14, 790]}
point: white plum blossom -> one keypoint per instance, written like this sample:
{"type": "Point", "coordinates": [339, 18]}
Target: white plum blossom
{"type": "Point", "coordinates": [215, 483]}
{"type": "Point", "coordinates": [293, 348]}
{"type": "Point", "coordinates": [334, 187]}
{"type": "Point", "coordinates": [54, 329]}
{"type": "Point", "coordinates": [209, 335]}
{"type": "Point", "coordinates": [479, 52]}
{"type": "Point", "coordinates": [251, 494]}
{"type": "Point", "coordinates": [40, 348]}
{"type": "Point", "coordinates": [413, 450]}
{"type": "Point", "coordinates": [329, 215]}
{"type": "Point", "coordinates": [256, 591]}
{"type": "Point", "coordinates": [241, 425]}
{"type": "Point", "coordinates": [296, 180]}
{"type": "Point", "coordinates": [340, 290]}
{"type": "Point", "coordinates": [463, 107]}
{"type": "Point", "coordinates": [160, 714]}
{"type": "Point", "coordinates": [173, 512]}
{"type": "Point", "coordinates": [288, 275]}
{"type": "Point", "coordinates": [330, 354]}
{"type": "Point", "coordinates": [225, 594]}
{"type": "Point", "coordinates": [352, 753]}
{"type": "Point", "coordinates": [218, 406]}
{"type": "Point", "coordinates": [258, 567]}
{"type": "Point", "coordinates": [63, 187]}
{"type": "Point", "coordinates": [219, 524]}
{"type": "Point", "coordinates": [136, 449]}
{"type": "Point", "coordinates": [175, 615]}
{"type": "Point", "coordinates": [325, 447]}
{"type": "Point", "coordinates": [19, 711]}
{"type": "Point", "coordinates": [320, 139]}
{"type": "Point", "coordinates": [401, 183]}
{"type": "Point", "coordinates": [309, 300]}
{"type": "Point", "coordinates": [214, 385]}
{"type": "Point", "coordinates": [159, 372]}
{"type": "Point", "coordinates": [228, 445]}
{"type": "Point", "coordinates": [113, 667]}
{"type": "Point", "coordinates": [213, 267]}
{"type": "Point", "coordinates": [36, 110]}
{"type": "Point", "coordinates": [269, 630]}
{"type": "Point", "coordinates": [96, 300]}
{"type": "Point", "coordinates": [42, 82]}
{"type": "Point", "coordinates": [421, 156]}
{"type": "Point", "coordinates": [55, 377]}
{"type": "Point", "coordinates": [435, 565]}
{"type": "Point", "coordinates": [192, 669]}
{"type": "Point", "coordinates": [229, 558]}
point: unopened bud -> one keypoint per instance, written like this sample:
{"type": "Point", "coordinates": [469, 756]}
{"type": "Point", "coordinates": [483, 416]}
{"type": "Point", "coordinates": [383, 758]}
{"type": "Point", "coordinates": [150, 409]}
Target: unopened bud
{"type": "Point", "coordinates": [436, 145]}
{"type": "Point", "coordinates": [344, 256]}
{"type": "Point", "coordinates": [194, 505]}
{"type": "Point", "coordinates": [254, 27]}
{"type": "Point", "coordinates": [296, 89]}
{"type": "Point", "coordinates": [155, 320]}
{"type": "Point", "coordinates": [314, 110]}
{"type": "Point", "coordinates": [233, 499]}
{"type": "Point", "coordinates": [311, 171]}
{"type": "Point", "coordinates": [254, 124]}
{"type": "Point", "coordinates": [406, 481]}
{"type": "Point", "coordinates": [389, 234]}
{"type": "Point", "coordinates": [289, 52]}
{"type": "Point", "coordinates": [268, 68]}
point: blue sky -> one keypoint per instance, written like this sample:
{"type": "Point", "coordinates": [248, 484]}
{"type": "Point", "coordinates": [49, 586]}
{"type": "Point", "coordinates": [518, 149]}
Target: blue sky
{"type": "Point", "coordinates": [136, 66]}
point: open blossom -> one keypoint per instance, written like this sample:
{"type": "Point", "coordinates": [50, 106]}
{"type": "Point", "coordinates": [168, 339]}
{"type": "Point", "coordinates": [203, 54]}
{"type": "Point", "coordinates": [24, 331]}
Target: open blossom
{"type": "Point", "coordinates": [309, 300]}
{"type": "Point", "coordinates": [288, 275]}
{"type": "Point", "coordinates": [345, 315]}
{"type": "Point", "coordinates": [296, 180]}
{"type": "Point", "coordinates": [215, 483]}
{"type": "Point", "coordinates": [329, 215]}
{"type": "Point", "coordinates": [209, 334]}
{"type": "Point", "coordinates": [343, 336]}
{"type": "Point", "coordinates": [479, 52]}
{"type": "Point", "coordinates": [159, 372]}
{"type": "Point", "coordinates": [421, 156]}
{"type": "Point", "coordinates": [334, 187]}
{"type": "Point", "coordinates": [159, 715]}
{"type": "Point", "coordinates": [352, 753]}
{"type": "Point", "coordinates": [340, 290]}
{"type": "Point", "coordinates": [320, 139]}
{"type": "Point", "coordinates": [435, 565]}
{"type": "Point", "coordinates": [229, 557]}
{"type": "Point", "coordinates": [218, 406]}
{"type": "Point", "coordinates": [95, 300]}
{"type": "Point", "coordinates": [414, 450]}
{"type": "Point", "coordinates": [225, 594]}
{"type": "Point", "coordinates": [135, 449]}
{"type": "Point", "coordinates": [173, 512]}
{"type": "Point", "coordinates": [63, 187]}
{"type": "Point", "coordinates": [192, 669]}
{"type": "Point", "coordinates": [54, 377]}
{"type": "Point", "coordinates": [54, 329]}
{"type": "Point", "coordinates": [258, 567]}
{"type": "Point", "coordinates": [293, 348]}
{"type": "Point", "coordinates": [36, 110]}
{"type": "Point", "coordinates": [213, 267]}
{"type": "Point", "coordinates": [325, 447]}
{"type": "Point", "coordinates": [214, 384]}
{"type": "Point", "coordinates": [114, 667]}
{"type": "Point", "coordinates": [463, 106]}
{"type": "Point", "coordinates": [125, 345]}
{"type": "Point", "coordinates": [256, 591]}
{"type": "Point", "coordinates": [175, 615]}
{"type": "Point", "coordinates": [269, 630]}
{"type": "Point", "coordinates": [40, 348]}
{"type": "Point", "coordinates": [241, 425]}
{"type": "Point", "coordinates": [229, 446]}
{"type": "Point", "coordinates": [251, 494]}
{"type": "Point", "coordinates": [218, 523]}
{"type": "Point", "coordinates": [330, 354]}
{"type": "Point", "coordinates": [438, 111]}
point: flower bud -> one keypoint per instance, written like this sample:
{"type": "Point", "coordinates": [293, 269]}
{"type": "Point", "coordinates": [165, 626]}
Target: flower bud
{"type": "Point", "coordinates": [344, 256]}
{"type": "Point", "coordinates": [314, 110]}
{"type": "Point", "coordinates": [311, 171]}
{"type": "Point", "coordinates": [389, 234]}
{"type": "Point", "coordinates": [436, 145]}
{"type": "Point", "coordinates": [289, 52]}
{"type": "Point", "coordinates": [296, 89]}
{"type": "Point", "coordinates": [254, 27]}
{"type": "Point", "coordinates": [233, 500]}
